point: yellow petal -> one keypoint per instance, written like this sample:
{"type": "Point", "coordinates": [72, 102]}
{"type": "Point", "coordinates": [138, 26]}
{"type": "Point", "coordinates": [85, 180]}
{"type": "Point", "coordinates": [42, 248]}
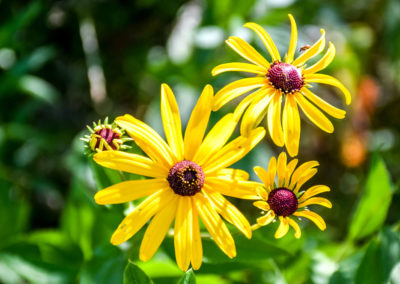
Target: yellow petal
{"type": "Point", "coordinates": [129, 190]}
{"type": "Point", "coordinates": [131, 163]}
{"type": "Point", "coordinates": [323, 62]}
{"type": "Point", "coordinates": [329, 80]}
{"type": "Point", "coordinates": [234, 151]}
{"type": "Point", "coordinates": [261, 205]}
{"type": "Point", "coordinates": [266, 219]}
{"type": "Point", "coordinates": [237, 66]}
{"type": "Point", "coordinates": [312, 191]}
{"type": "Point", "coordinates": [289, 171]}
{"type": "Point", "coordinates": [235, 174]}
{"type": "Point", "coordinates": [255, 113]}
{"type": "Point", "coordinates": [272, 170]}
{"type": "Point", "coordinates": [316, 200]}
{"type": "Point", "coordinates": [183, 232]}
{"type": "Point", "coordinates": [296, 228]}
{"type": "Point", "coordinates": [197, 124]}
{"type": "Point", "coordinates": [247, 101]}
{"type": "Point", "coordinates": [304, 178]}
{"type": "Point", "coordinates": [328, 108]}
{"type": "Point", "coordinates": [214, 224]}
{"type": "Point", "coordinates": [135, 220]}
{"type": "Point", "coordinates": [233, 188]}
{"type": "Point", "coordinates": [266, 39]}
{"type": "Point", "coordinates": [283, 227]}
{"type": "Point", "coordinates": [291, 126]}
{"type": "Point", "coordinates": [229, 212]}
{"type": "Point", "coordinates": [156, 231]}
{"type": "Point", "coordinates": [197, 248]}
{"type": "Point", "coordinates": [274, 120]}
{"type": "Point", "coordinates": [316, 116]}
{"type": "Point", "coordinates": [263, 175]}
{"type": "Point", "coordinates": [147, 139]}
{"type": "Point", "coordinates": [171, 121]}
{"type": "Point", "coordinates": [314, 50]}
{"type": "Point", "coordinates": [293, 40]}
{"type": "Point", "coordinates": [247, 51]}
{"type": "Point", "coordinates": [299, 172]}
{"type": "Point", "coordinates": [281, 168]}
{"type": "Point", "coordinates": [314, 217]}
{"type": "Point", "coordinates": [262, 193]}
{"type": "Point", "coordinates": [236, 89]}
{"type": "Point", "coordinates": [215, 139]}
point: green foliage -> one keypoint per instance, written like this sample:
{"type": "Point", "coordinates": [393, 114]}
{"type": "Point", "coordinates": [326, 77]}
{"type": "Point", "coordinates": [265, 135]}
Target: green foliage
{"type": "Point", "coordinates": [134, 275]}
{"type": "Point", "coordinates": [188, 278]}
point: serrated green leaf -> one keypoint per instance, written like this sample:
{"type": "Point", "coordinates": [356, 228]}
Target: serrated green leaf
{"type": "Point", "coordinates": [188, 278]}
{"type": "Point", "coordinates": [134, 275]}
{"type": "Point", "coordinates": [375, 201]}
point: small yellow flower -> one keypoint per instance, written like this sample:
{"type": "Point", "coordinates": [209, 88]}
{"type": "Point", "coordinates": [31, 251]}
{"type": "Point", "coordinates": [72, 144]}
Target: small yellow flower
{"type": "Point", "coordinates": [189, 177]}
{"type": "Point", "coordinates": [284, 200]}
{"type": "Point", "coordinates": [288, 80]}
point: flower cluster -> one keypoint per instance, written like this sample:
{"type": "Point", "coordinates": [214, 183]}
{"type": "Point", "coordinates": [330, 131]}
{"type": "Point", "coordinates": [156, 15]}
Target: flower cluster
{"type": "Point", "coordinates": [189, 174]}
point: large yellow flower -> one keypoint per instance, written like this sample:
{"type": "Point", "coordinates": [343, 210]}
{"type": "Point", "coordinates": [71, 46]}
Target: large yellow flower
{"type": "Point", "coordinates": [288, 80]}
{"type": "Point", "coordinates": [285, 200]}
{"type": "Point", "coordinates": [189, 178]}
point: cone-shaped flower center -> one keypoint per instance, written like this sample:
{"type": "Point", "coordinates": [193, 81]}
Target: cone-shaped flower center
{"type": "Point", "coordinates": [108, 135]}
{"type": "Point", "coordinates": [285, 77]}
{"type": "Point", "coordinates": [283, 201]}
{"type": "Point", "coordinates": [186, 178]}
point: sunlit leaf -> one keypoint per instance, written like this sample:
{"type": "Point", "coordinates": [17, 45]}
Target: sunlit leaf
{"type": "Point", "coordinates": [188, 278]}
{"type": "Point", "coordinates": [134, 275]}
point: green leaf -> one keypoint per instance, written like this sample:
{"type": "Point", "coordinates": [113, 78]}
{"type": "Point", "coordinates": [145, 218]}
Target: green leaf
{"type": "Point", "coordinates": [134, 275]}
{"type": "Point", "coordinates": [188, 278]}
{"type": "Point", "coordinates": [375, 201]}
{"type": "Point", "coordinates": [39, 89]}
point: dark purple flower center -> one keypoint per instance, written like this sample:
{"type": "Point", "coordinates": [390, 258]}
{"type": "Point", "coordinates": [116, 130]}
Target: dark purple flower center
{"type": "Point", "coordinates": [186, 178]}
{"type": "Point", "coordinates": [108, 135]}
{"type": "Point", "coordinates": [285, 77]}
{"type": "Point", "coordinates": [283, 201]}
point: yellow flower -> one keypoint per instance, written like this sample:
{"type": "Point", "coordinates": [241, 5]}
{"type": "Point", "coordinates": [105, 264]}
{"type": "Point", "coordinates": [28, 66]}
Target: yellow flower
{"type": "Point", "coordinates": [284, 200]}
{"type": "Point", "coordinates": [189, 178]}
{"type": "Point", "coordinates": [288, 80]}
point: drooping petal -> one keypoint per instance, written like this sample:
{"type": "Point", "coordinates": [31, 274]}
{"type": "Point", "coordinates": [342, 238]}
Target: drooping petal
{"type": "Point", "coordinates": [274, 121]}
{"type": "Point", "coordinates": [238, 66]}
{"type": "Point", "coordinates": [129, 190]}
{"type": "Point", "coordinates": [289, 171]}
{"type": "Point", "coordinates": [283, 227]}
{"type": "Point", "coordinates": [247, 51]}
{"type": "Point", "coordinates": [255, 113]}
{"type": "Point", "coordinates": [314, 50]}
{"type": "Point", "coordinates": [171, 121]}
{"type": "Point", "coordinates": [156, 231]}
{"type": "Point", "coordinates": [315, 115]}
{"type": "Point", "coordinates": [296, 228]}
{"type": "Point", "coordinates": [197, 124]}
{"type": "Point", "coordinates": [291, 126]}
{"type": "Point", "coordinates": [314, 217]}
{"type": "Point", "coordinates": [261, 205]}
{"type": "Point", "coordinates": [197, 248]}
{"type": "Point", "coordinates": [147, 139]}
{"type": "Point", "coordinates": [135, 220]}
{"type": "Point", "coordinates": [281, 168]}
{"type": "Point", "coordinates": [312, 191]}
{"type": "Point", "coordinates": [293, 40]}
{"type": "Point", "coordinates": [183, 232]}
{"type": "Point", "coordinates": [299, 172]}
{"type": "Point", "coordinates": [304, 178]}
{"type": "Point", "coordinates": [266, 39]}
{"type": "Point", "coordinates": [235, 174]}
{"type": "Point", "coordinates": [316, 200]}
{"type": "Point", "coordinates": [329, 80]}
{"type": "Point", "coordinates": [323, 62]}
{"type": "Point", "coordinates": [234, 151]}
{"type": "Point", "coordinates": [215, 139]}
{"type": "Point", "coordinates": [235, 89]}
{"type": "Point", "coordinates": [229, 212]}
{"type": "Point", "coordinates": [266, 219]}
{"type": "Point", "coordinates": [214, 224]}
{"type": "Point", "coordinates": [328, 108]}
{"type": "Point", "coordinates": [237, 189]}
{"type": "Point", "coordinates": [131, 163]}
{"type": "Point", "coordinates": [240, 108]}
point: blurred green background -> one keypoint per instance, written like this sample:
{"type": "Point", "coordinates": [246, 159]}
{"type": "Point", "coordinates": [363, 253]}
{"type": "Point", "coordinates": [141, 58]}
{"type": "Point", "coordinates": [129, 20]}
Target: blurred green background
{"type": "Point", "coordinates": [66, 63]}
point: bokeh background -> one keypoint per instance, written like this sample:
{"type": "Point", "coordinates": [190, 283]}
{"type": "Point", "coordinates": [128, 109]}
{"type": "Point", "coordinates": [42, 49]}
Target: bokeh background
{"type": "Point", "coordinates": [64, 64]}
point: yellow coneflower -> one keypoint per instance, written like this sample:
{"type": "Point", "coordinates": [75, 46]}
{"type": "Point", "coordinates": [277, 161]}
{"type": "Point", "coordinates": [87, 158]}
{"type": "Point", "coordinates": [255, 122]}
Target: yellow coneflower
{"type": "Point", "coordinates": [189, 178]}
{"type": "Point", "coordinates": [288, 80]}
{"type": "Point", "coordinates": [285, 200]}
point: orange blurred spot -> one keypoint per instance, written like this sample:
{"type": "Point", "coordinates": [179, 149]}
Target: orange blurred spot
{"type": "Point", "coordinates": [354, 150]}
